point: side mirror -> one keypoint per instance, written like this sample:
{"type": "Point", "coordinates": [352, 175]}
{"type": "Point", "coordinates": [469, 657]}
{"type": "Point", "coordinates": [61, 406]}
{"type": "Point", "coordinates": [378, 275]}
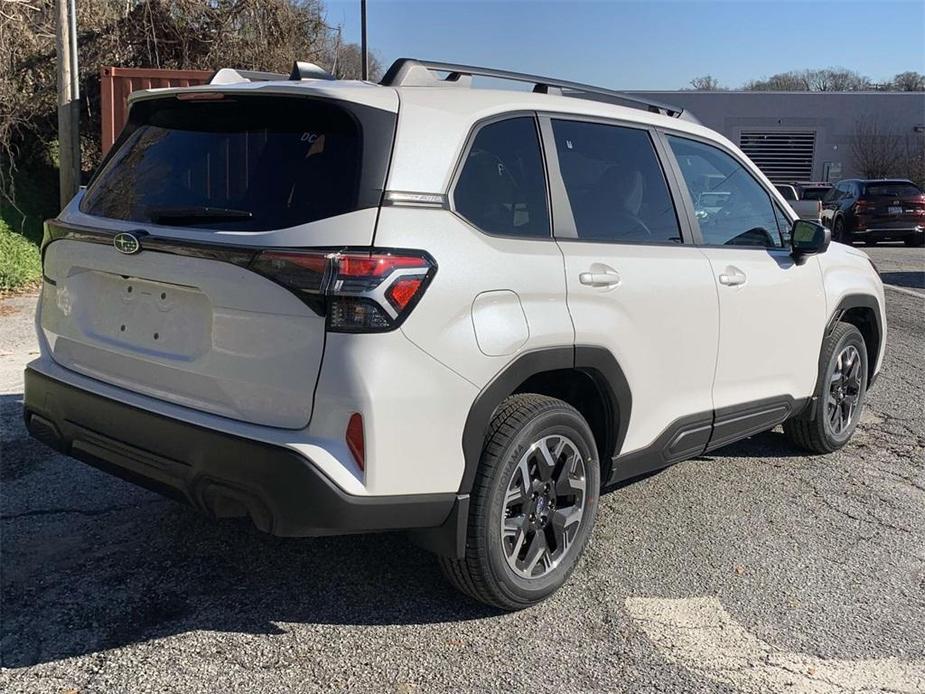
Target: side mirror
{"type": "Point", "coordinates": [808, 238]}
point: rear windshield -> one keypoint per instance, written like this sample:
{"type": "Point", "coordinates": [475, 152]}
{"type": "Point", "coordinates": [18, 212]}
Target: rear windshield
{"type": "Point", "coordinates": [241, 163]}
{"type": "Point", "coordinates": [891, 190]}
{"type": "Point", "coordinates": [787, 192]}
{"type": "Point", "coordinates": [814, 193]}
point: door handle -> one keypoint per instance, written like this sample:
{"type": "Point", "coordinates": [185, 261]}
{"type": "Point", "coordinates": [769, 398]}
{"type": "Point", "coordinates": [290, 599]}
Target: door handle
{"type": "Point", "coordinates": [605, 278]}
{"type": "Point", "coordinates": [732, 277]}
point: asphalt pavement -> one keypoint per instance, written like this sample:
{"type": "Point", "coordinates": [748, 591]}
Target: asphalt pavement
{"type": "Point", "coordinates": [755, 569]}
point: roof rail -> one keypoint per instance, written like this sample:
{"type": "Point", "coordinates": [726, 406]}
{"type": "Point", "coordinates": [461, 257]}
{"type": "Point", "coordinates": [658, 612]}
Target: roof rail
{"type": "Point", "coordinates": [406, 72]}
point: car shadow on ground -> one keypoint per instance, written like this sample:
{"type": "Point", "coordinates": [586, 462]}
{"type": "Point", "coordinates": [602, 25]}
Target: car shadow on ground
{"type": "Point", "coordinates": [912, 280]}
{"type": "Point", "coordinates": [91, 563]}
{"type": "Point", "coordinates": [768, 444]}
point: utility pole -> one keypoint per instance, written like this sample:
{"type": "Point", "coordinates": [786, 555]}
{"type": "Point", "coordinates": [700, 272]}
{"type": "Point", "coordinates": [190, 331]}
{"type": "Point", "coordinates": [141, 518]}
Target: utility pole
{"type": "Point", "coordinates": [364, 48]}
{"type": "Point", "coordinates": [68, 101]}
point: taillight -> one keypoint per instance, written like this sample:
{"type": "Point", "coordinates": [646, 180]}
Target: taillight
{"type": "Point", "coordinates": [863, 206]}
{"type": "Point", "coordinates": [358, 291]}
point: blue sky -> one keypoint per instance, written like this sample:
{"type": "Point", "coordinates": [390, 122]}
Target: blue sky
{"type": "Point", "coordinates": [660, 44]}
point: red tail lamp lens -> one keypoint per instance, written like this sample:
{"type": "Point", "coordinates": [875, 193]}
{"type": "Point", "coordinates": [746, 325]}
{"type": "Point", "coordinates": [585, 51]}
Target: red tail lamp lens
{"type": "Point", "coordinates": [355, 441]}
{"type": "Point", "coordinates": [403, 291]}
{"type": "Point", "coordinates": [375, 265]}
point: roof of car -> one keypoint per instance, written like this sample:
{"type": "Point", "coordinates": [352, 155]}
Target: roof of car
{"type": "Point", "coordinates": [437, 119]}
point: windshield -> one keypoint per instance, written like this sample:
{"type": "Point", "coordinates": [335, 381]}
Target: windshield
{"type": "Point", "coordinates": [242, 163]}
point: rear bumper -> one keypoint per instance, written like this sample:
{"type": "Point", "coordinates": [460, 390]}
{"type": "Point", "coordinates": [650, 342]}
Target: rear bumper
{"type": "Point", "coordinates": [221, 474]}
{"type": "Point", "coordinates": [889, 234]}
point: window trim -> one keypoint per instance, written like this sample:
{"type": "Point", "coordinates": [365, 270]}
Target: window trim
{"type": "Point", "coordinates": [450, 191]}
{"type": "Point", "coordinates": [664, 134]}
{"type": "Point", "coordinates": [562, 205]}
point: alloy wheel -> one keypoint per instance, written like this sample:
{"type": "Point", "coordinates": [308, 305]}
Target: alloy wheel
{"type": "Point", "coordinates": [844, 393]}
{"type": "Point", "coordinates": [543, 506]}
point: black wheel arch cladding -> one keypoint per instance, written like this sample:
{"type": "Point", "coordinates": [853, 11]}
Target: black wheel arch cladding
{"type": "Point", "coordinates": [596, 363]}
{"type": "Point", "coordinates": [863, 312]}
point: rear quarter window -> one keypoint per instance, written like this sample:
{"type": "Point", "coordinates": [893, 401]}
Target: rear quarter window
{"type": "Point", "coordinates": [243, 163]}
{"type": "Point", "coordinates": [501, 187]}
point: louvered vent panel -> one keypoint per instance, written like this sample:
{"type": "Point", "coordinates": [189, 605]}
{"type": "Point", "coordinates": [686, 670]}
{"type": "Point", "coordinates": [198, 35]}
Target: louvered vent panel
{"type": "Point", "coordinates": [783, 156]}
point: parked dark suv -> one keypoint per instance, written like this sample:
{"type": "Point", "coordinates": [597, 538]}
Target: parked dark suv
{"type": "Point", "coordinates": [875, 210]}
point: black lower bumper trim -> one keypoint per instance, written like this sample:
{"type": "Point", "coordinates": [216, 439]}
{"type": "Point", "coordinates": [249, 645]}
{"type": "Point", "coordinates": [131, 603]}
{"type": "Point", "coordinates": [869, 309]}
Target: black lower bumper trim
{"type": "Point", "coordinates": [221, 474]}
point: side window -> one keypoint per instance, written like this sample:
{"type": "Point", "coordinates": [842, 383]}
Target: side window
{"type": "Point", "coordinates": [615, 183]}
{"type": "Point", "coordinates": [502, 185]}
{"type": "Point", "coordinates": [732, 208]}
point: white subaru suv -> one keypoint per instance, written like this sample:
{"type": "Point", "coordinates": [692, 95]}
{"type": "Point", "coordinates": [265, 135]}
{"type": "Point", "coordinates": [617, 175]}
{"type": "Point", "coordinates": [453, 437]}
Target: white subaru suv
{"type": "Point", "coordinates": [338, 307]}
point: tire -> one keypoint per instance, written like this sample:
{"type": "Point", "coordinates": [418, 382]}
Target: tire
{"type": "Point", "coordinates": [841, 389]}
{"type": "Point", "coordinates": [917, 242]}
{"type": "Point", "coordinates": [838, 232]}
{"type": "Point", "coordinates": [494, 571]}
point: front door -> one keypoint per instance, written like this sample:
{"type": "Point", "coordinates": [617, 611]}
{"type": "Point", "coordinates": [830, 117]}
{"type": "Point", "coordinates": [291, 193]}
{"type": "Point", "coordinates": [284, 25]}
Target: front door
{"type": "Point", "coordinates": [772, 308]}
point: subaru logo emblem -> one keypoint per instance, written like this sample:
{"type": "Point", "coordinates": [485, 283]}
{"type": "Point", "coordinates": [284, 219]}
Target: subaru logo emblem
{"type": "Point", "coordinates": [126, 243]}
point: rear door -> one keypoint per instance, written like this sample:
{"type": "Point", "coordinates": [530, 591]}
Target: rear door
{"type": "Point", "coordinates": [772, 309]}
{"type": "Point", "coordinates": [634, 285]}
{"type": "Point", "coordinates": [190, 269]}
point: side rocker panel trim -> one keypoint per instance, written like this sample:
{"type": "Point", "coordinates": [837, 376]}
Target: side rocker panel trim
{"type": "Point", "coordinates": [694, 435]}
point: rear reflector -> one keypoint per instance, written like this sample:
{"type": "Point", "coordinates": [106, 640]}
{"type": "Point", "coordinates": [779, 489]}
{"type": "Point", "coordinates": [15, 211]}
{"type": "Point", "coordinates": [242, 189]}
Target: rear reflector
{"type": "Point", "coordinates": [357, 291]}
{"type": "Point", "coordinates": [355, 441]}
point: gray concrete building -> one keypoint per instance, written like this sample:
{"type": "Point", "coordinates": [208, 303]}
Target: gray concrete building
{"type": "Point", "coordinates": [800, 136]}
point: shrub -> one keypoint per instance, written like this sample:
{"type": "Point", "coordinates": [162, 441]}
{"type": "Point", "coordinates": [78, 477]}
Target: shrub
{"type": "Point", "coordinates": [20, 265]}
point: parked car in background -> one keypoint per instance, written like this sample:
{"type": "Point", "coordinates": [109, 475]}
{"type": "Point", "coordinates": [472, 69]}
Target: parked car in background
{"type": "Point", "coordinates": [875, 210]}
{"type": "Point", "coordinates": [805, 209]}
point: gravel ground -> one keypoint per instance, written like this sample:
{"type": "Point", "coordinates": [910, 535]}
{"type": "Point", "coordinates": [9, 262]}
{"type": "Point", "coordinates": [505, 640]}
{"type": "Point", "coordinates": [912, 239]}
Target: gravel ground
{"type": "Point", "coordinates": [109, 588]}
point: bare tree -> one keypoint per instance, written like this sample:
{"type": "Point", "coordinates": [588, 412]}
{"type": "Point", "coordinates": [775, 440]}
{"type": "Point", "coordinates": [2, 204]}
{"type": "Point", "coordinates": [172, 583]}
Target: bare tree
{"type": "Point", "coordinates": [832, 79]}
{"type": "Point", "coordinates": [781, 82]}
{"type": "Point", "coordinates": [707, 83]}
{"type": "Point", "coordinates": [344, 61]}
{"type": "Point", "coordinates": [908, 82]}
{"type": "Point", "coordinates": [835, 79]}
{"type": "Point", "coordinates": [912, 163]}
{"type": "Point", "coordinates": [877, 149]}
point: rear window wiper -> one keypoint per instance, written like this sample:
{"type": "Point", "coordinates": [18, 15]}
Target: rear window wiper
{"type": "Point", "coordinates": [195, 215]}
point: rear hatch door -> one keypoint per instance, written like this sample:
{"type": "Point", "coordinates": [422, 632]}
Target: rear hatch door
{"type": "Point", "coordinates": [893, 205]}
{"type": "Point", "coordinates": [154, 277]}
